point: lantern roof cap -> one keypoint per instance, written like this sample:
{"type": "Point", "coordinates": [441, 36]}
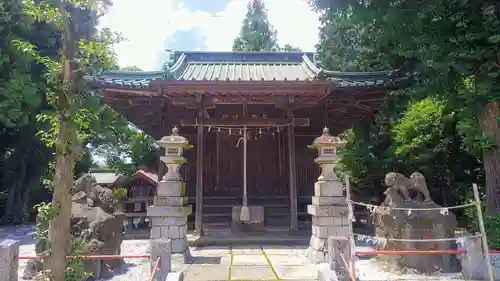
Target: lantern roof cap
{"type": "Point", "coordinates": [174, 139]}
{"type": "Point", "coordinates": [326, 139]}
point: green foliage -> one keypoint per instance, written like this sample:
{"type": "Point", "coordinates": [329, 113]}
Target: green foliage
{"type": "Point", "coordinates": [492, 227]}
{"type": "Point", "coordinates": [131, 68]}
{"type": "Point", "coordinates": [431, 127]}
{"type": "Point", "coordinates": [290, 48]}
{"type": "Point", "coordinates": [22, 82]}
{"type": "Point", "coordinates": [119, 193]}
{"type": "Point", "coordinates": [127, 149]}
{"type": "Point", "coordinates": [78, 246]}
{"type": "Point", "coordinates": [421, 127]}
{"type": "Point", "coordinates": [256, 34]}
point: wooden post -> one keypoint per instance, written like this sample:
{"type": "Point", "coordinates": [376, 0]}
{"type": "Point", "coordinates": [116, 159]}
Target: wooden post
{"type": "Point", "coordinates": [483, 233]}
{"type": "Point", "coordinates": [352, 243]}
{"type": "Point", "coordinates": [198, 220]}
{"type": "Point", "coordinates": [293, 178]}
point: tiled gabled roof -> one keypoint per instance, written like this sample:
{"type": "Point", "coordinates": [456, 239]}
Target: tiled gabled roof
{"type": "Point", "coordinates": [242, 66]}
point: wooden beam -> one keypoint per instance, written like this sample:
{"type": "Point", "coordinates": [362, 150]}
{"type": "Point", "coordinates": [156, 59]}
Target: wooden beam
{"type": "Point", "coordinates": [270, 122]}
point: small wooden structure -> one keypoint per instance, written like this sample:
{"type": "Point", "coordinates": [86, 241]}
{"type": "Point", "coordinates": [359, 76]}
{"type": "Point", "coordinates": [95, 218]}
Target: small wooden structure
{"type": "Point", "coordinates": [141, 189]}
{"type": "Point", "coordinates": [283, 100]}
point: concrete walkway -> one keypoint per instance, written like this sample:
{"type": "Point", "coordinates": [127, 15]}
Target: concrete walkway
{"type": "Point", "coordinates": [212, 263]}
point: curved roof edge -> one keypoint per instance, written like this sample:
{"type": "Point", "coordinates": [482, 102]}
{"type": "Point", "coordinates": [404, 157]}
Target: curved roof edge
{"type": "Point", "coordinates": [213, 66]}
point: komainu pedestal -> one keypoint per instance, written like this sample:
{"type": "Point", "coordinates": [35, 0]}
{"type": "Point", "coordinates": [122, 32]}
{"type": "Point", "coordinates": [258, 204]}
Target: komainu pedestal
{"type": "Point", "coordinates": [169, 211]}
{"type": "Point", "coordinates": [402, 219]}
{"type": "Point", "coordinates": [329, 208]}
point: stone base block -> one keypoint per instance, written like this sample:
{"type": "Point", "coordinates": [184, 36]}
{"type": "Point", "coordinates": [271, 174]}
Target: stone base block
{"type": "Point", "coordinates": [169, 211]}
{"type": "Point", "coordinates": [327, 201]}
{"type": "Point", "coordinates": [179, 246]}
{"type": "Point", "coordinates": [169, 231]}
{"type": "Point", "coordinates": [170, 200]}
{"type": "Point", "coordinates": [164, 221]}
{"type": "Point", "coordinates": [330, 221]}
{"type": "Point", "coordinates": [171, 188]}
{"type": "Point", "coordinates": [327, 211]}
{"type": "Point", "coordinates": [256, 222]}
{"type": "Point", "coordinates": [328, 188]}
{"type": "Point", "coordinates": [323, 232]}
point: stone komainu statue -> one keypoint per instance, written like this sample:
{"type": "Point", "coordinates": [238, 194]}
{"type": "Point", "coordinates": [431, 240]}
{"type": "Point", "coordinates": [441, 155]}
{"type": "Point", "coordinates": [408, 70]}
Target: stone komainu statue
{"type": "Point", "coordinates": [403, 184]}
{"type": "Point", "coordinates": [95, 194]}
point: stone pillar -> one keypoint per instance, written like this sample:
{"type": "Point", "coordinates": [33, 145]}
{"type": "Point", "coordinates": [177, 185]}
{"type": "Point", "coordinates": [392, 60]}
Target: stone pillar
{"type": "Point", "coordinates": [329, 208]}
{"type": "Point", "coordinates": [169, 211]}
{"type": "Point", "coordinates": [9, 264]}
{"type": "Point", "coordinates": [472, 261]}
{"type": "Point", "coordinates": [338, 253]}
{"type": "Point", "coordinates": [161, 248]}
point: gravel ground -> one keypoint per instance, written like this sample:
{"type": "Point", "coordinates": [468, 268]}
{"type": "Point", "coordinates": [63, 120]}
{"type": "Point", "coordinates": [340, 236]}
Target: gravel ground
{"type": "Point", "coordinates": [138, 269]}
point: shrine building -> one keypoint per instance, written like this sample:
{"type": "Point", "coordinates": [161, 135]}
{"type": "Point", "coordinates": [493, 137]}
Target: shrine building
{"type": "Point", "coordinates": [281, 101]}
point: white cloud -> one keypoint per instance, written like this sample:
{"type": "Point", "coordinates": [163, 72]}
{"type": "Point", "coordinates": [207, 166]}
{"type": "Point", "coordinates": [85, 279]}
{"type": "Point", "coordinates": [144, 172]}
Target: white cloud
{"type": "Point", "coordinates": [147, 23]}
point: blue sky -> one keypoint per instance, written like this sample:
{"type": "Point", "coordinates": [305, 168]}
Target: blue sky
{"type": "Point", "coordinates": [151, 26]}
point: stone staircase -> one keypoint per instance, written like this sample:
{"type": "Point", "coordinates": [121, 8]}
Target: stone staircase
{"type": "Point", "coordinates": [217, 211]}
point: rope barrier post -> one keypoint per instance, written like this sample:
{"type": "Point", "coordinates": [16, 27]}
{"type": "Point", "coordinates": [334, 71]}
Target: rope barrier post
{"type": "Point", "coordinates": [483, 233]}
{"type": "Point", "coordinates": [160, 248]}
{"type": "Point", "coordinates": [352, 242]}
{"type": "Point", "coordinates": [337, 247]}
{"type": "Point", "coordinates": [9, 262]}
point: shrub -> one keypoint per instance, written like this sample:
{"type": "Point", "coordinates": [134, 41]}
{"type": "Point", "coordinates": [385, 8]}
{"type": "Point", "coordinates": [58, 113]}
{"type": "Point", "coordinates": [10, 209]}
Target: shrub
{"type": "Point", "coordinates": [492, 227]}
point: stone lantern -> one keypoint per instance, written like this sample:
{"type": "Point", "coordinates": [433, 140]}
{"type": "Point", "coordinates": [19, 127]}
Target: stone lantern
{"type": "Point", "coordinates": [174, 146]}
{"type": "Point", "coordinates": [327, 146]}
{"type": "Point", "coordinates": [169, 212]}
{"type": "Point", "coordinates": [328, 208]}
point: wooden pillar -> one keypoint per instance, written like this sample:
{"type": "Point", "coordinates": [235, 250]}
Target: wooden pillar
{"type": "Point", "coordinates": [198, 220]}
{"type": "Point", "coordinates": [293, 178]}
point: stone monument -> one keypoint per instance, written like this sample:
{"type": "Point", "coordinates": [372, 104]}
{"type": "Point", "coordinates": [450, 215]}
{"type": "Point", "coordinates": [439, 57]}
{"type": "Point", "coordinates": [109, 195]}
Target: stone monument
{"type": "Point", "coordinates": [329, 208]}
{"type": "Point", "coordinates": [169, 211]}
{"type": "Point", "coordinates": [410, 223]}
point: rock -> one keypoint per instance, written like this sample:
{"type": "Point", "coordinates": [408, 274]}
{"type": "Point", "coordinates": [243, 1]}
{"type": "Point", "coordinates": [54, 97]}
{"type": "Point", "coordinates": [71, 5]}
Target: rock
{"type": "Point", "coordinates": [103, 231]}
{"type": "Point", "coordinates": [31, 269]}
{"type": "Point", "coordinates": [418, 225]}
{"type": "Point", "coordinates": [95, 220]}
{"type": "Point", "coordinates": [95, 226]}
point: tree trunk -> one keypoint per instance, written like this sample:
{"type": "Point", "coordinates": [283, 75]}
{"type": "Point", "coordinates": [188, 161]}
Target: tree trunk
{"type": "Point", "coordinates": [60, 225]}
{"type": "Point", "coordinates": [66, 152]}
{"type": "Point", "coordinates": [9, 204]}
{"type": "Point", "coordinates": [490, 127]}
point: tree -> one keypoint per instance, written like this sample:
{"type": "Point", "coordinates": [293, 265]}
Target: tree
{"type": "Point", "coordinates": [22, 96]}
{"type": "Point", "coordinates": [256, 34]}
{"type": "Point", "coordinates": [131, 68]}
{"type": "Point", "coordinates": [126, 149]}
{"type": "Point", "coordinates": [67, 96]}
{"type": "Point", "coordinates": [290, 48]}
{"type": "Point", "coordinates": [453, 46]}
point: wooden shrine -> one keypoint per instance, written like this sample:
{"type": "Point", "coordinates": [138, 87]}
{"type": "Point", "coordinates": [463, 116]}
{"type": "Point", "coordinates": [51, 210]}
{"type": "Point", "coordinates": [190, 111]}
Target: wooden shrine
{"type": "Point", "coordinates": [282, 100]}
